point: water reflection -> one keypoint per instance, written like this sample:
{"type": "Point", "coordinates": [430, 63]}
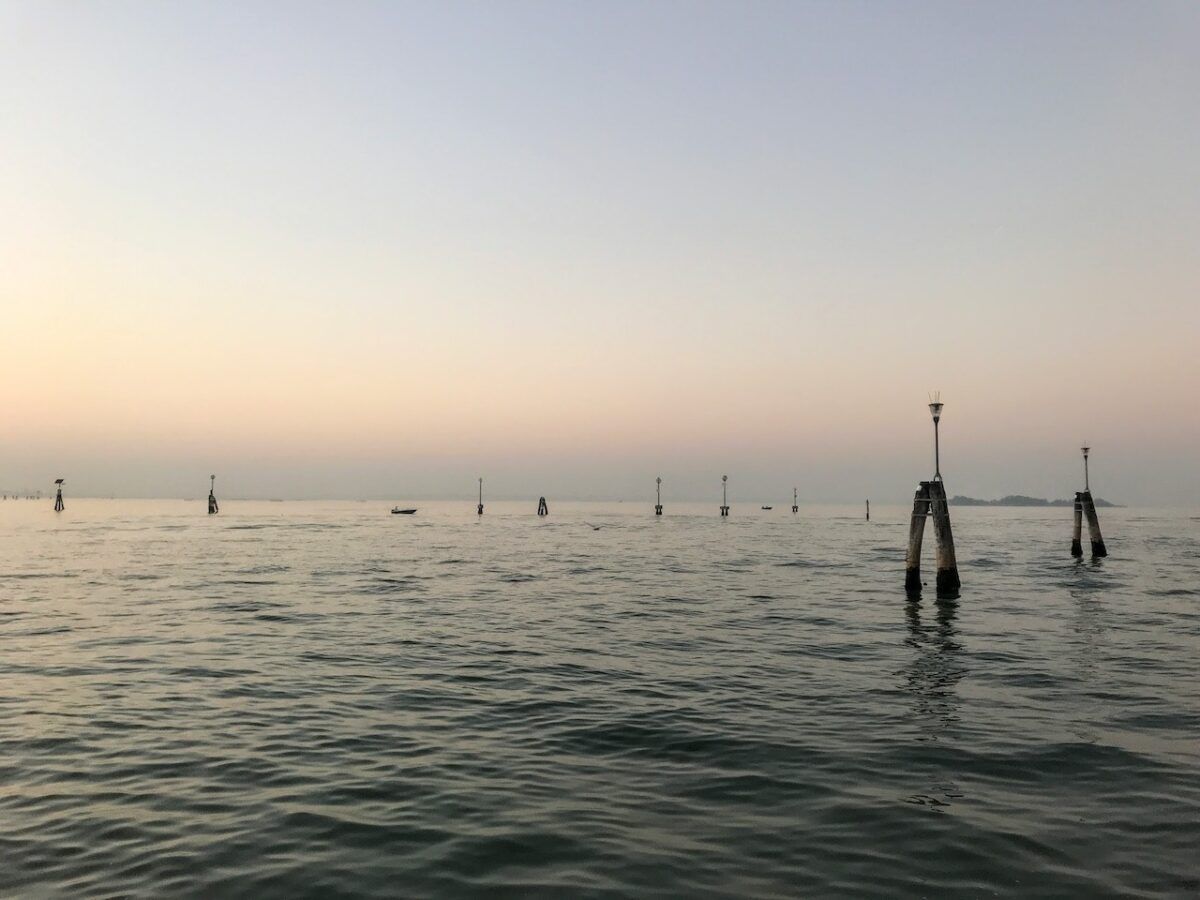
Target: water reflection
{"type": "Point", "coordinates": [935, 669]}
{"type": "Point", "coordinates": [931, 679]}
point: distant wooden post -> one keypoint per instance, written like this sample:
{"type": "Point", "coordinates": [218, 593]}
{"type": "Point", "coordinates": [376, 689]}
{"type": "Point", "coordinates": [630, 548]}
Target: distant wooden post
{"type": "Point", "coordinates": [543, 509]}
{"type": "Point", "coordinates": [213, 509]}
{"type": "Point", "coordinates": [1077, 534]}
{"type": "Point", "coordinates": [58, 501]}
{"type": "Point", "coordinates": [795, 500]}
{"type": "Point", "coordinates": [1089, 511]}
{"type": "Point", "coordinates": [868, 510]}
{"type": "Point", "coordinates": [658, 496]}
{"type": "Point", "coordinates": [930, 502]}
{"type": "Point", "coordinates": [479, 508]}
{"type": "Point", "coordinates": [724, 495]}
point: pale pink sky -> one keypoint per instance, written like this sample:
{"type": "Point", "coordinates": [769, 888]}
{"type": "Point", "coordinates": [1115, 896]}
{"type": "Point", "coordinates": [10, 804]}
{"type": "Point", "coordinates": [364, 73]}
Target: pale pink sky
{"type": "Point", "coordinates": [381, 250]}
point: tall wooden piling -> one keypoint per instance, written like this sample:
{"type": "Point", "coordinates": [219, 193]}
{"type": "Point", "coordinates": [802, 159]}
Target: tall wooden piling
{"type": "Point", "coordinates": [1077, 535]}
{"type": "Point", "coordinates": [948, 583]}
{"type": "Point", "coordinates": [916, 531]}
{"type": "Point", "coordinates": [1089, 510]}
{"type": "Point", "coordinates": [868, 510]}
{"type": "Point", "coordinates": [795, 500]}
{"type": "Point", "coordinates": [58, 500]}
{"type": "Point", "coordinates": [479, 508]}
{"type": "Point", "coordinates": [724, 495]}
{"type": "Point", "coordinates": [543, 509]}
{"type": "Point", "coordinates": [213, 509]}
{"type": "Point", "coordinates": [658, 496]}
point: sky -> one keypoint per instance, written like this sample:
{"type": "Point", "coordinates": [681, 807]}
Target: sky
{"type": "Point", "coordinates": [350, 249]}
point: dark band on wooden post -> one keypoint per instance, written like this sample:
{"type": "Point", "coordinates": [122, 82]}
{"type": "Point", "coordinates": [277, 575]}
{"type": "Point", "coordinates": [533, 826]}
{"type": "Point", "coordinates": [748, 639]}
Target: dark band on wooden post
{"type": "Point", "coordinates": [948, 583]}
{"type": "Point", "coordinates": [916, 530]}
{"type": "Point", "coordinates": [1077, 534]}
{"type": "Point", "coordinates": [1089, 510]}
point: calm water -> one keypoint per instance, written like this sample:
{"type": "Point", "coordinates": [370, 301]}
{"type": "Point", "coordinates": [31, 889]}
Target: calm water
{"type": "Point", "coordinates": [303, 699]}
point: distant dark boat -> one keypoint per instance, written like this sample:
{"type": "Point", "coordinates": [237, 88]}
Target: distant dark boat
{"type": "Point", "coordinates": [397, 511]}
{"type": "Point", "coordinates": [767, 507]}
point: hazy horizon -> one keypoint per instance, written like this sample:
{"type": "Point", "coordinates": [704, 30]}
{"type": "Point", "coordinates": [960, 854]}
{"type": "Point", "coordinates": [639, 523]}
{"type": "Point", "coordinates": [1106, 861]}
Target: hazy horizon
{"type": "Point", "coordinates": [337, 251]}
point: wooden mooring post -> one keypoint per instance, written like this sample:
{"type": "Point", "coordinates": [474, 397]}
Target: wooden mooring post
{"type": "Point", "coordinates": [1085, 507]}
{"type": "Point", "coordinates": [1077, 534]}
{"type": "Point", "coordinates": [724, 495]}
{"type": "Point", "coordinates": [916, 531]}
{"type": "Point", "coordinates": [543, 509]}
{"type": "Point", "coordinates": [213, 509]}
{"type": "Point", "coordinates": [658, 496]}
{"type": "Point", "coordinates": [479, 508]}
{"type": "Point", "coordinates": [868, 510]}
{"type": "Point", "coordinates": [795, 500]}
{"type": "Point", "coordinates": [1089, 512]}
{"type": "Point", "coordinates": [58, 501]}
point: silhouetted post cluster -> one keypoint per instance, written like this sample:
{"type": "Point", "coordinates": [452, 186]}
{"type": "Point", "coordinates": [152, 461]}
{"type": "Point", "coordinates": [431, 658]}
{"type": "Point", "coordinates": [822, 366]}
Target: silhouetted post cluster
{"type": "Point", "coordinates": [213, 509]}
{"type": "Point", "coordinates": [1085, 506]}
{"type": "Point", "coordinates": [543, 509]}
{"type": "Point", "coordinates": [58, 501]}
{"type": "Point", "coordinates": [930, 502]}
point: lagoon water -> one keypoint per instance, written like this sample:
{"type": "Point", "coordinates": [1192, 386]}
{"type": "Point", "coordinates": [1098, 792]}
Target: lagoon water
{"type": "Point", "coordinates": [320, 699]}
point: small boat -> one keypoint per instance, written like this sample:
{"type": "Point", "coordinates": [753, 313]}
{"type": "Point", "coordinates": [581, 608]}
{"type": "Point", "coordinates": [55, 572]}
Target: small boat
{"type": "Point", "coordinates": [767, 507]}
{"type": "Point", "coordinates": [397, 511]}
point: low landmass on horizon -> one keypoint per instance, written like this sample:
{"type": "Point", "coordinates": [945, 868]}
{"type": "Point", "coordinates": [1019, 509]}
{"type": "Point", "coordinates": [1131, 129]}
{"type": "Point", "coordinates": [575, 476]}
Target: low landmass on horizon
{"type": "Point", "coordinates": [1022, 500]}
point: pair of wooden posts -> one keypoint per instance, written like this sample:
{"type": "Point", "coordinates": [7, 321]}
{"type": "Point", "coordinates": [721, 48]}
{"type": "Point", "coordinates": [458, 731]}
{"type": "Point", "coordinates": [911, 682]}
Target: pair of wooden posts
{"type": "Point", "coordinates": [1086, 506]}
{"type": "Point", "coordinates": [931, 502]}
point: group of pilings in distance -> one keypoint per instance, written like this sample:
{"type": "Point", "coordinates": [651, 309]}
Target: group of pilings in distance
{"type": "Point", "coordinates": [1086, 506]}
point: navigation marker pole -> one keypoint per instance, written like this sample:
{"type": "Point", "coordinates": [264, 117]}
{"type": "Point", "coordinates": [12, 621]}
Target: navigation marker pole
{"type": "Point", "coordinates": [930, 502]}
{"type": "Point", "coordinates": [724, 496]}
{"type": "Point", "coordinates": [213, 509]}
{"type": "Point", "coordinates": [658, 496]}
{"type": "Point", "coordinates": [1085, 504]}
{"type": "Point", "coordinates": [479, 508]}
{"type": "Point", "coordinates": [795, 503]}
{"type": "Point", "coordinates": [58, 503]}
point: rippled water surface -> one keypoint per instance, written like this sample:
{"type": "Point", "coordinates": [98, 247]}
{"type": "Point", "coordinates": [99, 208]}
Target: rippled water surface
{"type": "Point", "coordinates": [313, 699]}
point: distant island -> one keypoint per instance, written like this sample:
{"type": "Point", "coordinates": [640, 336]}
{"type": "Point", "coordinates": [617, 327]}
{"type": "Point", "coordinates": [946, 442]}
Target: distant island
{"type": "Point", "coordinates": [1019, 500]}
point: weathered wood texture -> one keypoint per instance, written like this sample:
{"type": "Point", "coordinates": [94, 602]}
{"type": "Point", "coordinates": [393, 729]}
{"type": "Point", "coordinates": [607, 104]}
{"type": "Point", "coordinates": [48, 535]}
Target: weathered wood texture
{"type": "Point", "coordinates": [1089, 510]}
{"type": "Point", "coordinates": [1077, 534]}
{"type": "Point", "coordinates": [947, 563]}
{"type": "Point", "coordinates": [916, 530]}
